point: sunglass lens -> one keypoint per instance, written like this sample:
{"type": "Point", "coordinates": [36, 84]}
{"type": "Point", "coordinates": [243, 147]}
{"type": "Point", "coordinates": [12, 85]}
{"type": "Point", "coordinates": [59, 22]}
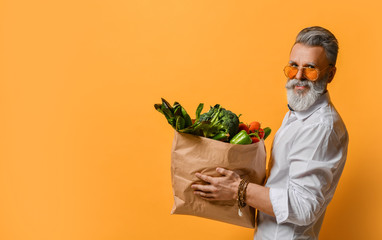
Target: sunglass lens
{"type": "Point", "coordinates": [311, 74]}
{"type": "Point", "coordinates": [290, 72]}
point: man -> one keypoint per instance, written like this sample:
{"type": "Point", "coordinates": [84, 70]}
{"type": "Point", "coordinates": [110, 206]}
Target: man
{"type": "Point", "coordinates": [308, 152]}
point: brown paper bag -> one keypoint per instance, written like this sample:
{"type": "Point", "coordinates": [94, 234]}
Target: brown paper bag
{"type": "Point", "coordinates": [191, 154]}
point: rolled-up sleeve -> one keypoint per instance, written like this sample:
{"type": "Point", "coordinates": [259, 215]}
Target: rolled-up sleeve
{"type": "Point", "coordinates": [316, 161]}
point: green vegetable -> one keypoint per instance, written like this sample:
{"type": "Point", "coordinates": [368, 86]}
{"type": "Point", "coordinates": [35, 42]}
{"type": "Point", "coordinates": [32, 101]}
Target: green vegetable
{"type": "Point", "coordinates": [241, 138]}
{"type": "Point", "coordinates": [218, 123]}
{"type": "Point", "coordinates": [228, 120]}
{"type": "Point", "coordinates": [198, 111]}
{"type": "Point", "coordinates": [216, 120]}
{"type": "Point", "coordinates": [176, 115]}
{"type": "Point", "coordinates": [267, 131]}
{"type": "Point", "coordinates": [222, 136]}
{"type": "Point", "coordinates": [187, 118]}
{"type": "Point", "coordinates": [180, 123]}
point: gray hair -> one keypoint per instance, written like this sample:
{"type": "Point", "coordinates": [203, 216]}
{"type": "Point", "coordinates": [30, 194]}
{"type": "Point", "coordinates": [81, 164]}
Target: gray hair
{"type": "Point", "coordinates": [319, 36]}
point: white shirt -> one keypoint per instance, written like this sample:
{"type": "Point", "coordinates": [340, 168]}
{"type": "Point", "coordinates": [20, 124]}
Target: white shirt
{"type": "Point", "coordinates": [308, 156]}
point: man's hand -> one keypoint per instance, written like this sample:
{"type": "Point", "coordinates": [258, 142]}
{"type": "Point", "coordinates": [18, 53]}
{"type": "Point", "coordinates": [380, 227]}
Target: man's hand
{"type": "Point", "coordinates": [219, 188]}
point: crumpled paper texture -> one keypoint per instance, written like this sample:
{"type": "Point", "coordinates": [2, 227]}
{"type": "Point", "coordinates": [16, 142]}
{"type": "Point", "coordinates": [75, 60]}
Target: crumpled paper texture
{"type": "Point", "coordinates": [191, 154]}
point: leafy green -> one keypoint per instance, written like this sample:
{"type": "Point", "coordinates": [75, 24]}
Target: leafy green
{"type": "Point", "coordinates": [217, 123]}
{"type": "Point", "coordinates": [198, 111]}
{"type": "Point", "coordinates": [217, 120]}
{"type": "Point", "coordinates": [176, 115]}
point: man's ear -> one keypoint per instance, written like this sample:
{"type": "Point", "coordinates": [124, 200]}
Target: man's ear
{"type": "Point", "coordinates": [332, 73]}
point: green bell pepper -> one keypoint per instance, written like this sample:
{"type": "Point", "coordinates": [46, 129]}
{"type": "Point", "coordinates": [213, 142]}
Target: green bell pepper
{"type": "Point", "coordinates": [241, 138]}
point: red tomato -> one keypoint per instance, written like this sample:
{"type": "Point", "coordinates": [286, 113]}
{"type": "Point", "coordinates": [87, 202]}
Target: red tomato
{"type": "Point", "coordinates": [243, 126]}
{"type": "Point", "coordinates": [261, 133]}
{"type": "Point", "coordinates": [253, 126]}
{"type": "Point", "coordinates": [255, 139]}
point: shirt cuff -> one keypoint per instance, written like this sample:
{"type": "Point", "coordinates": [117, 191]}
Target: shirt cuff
{"type": "Point", "coordinates": [279, 201]}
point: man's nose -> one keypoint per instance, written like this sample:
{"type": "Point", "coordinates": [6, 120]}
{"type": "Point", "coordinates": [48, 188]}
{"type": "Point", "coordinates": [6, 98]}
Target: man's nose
{"type": "Point", "coordinates": [300, 74]}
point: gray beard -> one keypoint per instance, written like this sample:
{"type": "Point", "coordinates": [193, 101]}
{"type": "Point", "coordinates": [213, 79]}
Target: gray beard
{"type": "Point", "coordinates": [300, 102]}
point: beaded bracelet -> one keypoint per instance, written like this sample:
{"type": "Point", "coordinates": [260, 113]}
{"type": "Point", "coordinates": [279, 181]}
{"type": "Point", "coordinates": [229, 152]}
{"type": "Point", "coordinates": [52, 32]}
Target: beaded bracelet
{"type": "Point", "coordinates": [241, 195]}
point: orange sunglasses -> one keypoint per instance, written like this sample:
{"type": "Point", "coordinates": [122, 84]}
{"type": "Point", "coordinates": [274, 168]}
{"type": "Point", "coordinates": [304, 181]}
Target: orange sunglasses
{"type": "Point", "coordinates": [309, 73]}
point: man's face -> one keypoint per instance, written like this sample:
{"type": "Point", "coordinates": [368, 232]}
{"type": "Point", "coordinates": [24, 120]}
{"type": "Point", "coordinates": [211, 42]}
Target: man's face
{"type": "Point", "coordinates": [302, 93]}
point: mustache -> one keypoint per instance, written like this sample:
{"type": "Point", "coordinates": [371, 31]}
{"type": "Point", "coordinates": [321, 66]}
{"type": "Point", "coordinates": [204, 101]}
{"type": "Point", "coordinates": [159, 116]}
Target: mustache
{"type": "Point", "coordinates": [295, 82]}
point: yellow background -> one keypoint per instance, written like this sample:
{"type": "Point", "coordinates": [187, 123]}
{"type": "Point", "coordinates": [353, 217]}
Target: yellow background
{"type": "Point", "coordinates": [83, 153]}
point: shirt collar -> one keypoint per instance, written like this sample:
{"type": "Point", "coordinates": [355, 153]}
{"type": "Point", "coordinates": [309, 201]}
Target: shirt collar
{"type": "Point", "coordinates": [322, 101]}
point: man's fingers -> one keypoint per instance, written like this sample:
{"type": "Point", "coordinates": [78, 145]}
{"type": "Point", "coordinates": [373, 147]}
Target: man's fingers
{"type": "Point", "coordinates": [204, 195]}
{"type": "Point", "coordinates": [204, 177]}
{"type": "Point", "coordinates": [204, 191]}
{"type": "Point", "coordinates": [204, 188]}
{"type": "Point", "coordinates": [224, 172]}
